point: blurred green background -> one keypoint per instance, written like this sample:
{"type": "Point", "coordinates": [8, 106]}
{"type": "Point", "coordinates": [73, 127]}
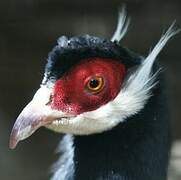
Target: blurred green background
{"type": "Point", "coordinates": [28, 31]}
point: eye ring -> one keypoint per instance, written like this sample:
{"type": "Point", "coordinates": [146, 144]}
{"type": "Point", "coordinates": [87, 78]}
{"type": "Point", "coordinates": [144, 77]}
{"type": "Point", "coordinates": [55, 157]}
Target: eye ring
{"type": "Point", "coordinates": [95, 84]}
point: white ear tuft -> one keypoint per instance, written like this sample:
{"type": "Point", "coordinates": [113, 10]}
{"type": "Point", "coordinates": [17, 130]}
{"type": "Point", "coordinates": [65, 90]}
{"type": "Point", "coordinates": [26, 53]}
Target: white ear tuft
{"type": "Point", "coordinates": [137, 88]}
{"type": "Point", "coordinates": [148, 62]}
{"type": "Point", "coordinates": [122, 26]}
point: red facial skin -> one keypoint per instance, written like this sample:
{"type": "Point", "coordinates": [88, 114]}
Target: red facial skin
{"type": "Point", "coordinates": [70, 93]}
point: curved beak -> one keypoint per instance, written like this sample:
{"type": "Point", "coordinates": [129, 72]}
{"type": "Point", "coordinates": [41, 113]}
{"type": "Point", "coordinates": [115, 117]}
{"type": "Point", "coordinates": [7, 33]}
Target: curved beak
{"type": "Point", "coordinates": [36, 114]}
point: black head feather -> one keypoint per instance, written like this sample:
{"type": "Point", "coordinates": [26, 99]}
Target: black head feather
{"type": "Point", "coordinates": [69, 51]}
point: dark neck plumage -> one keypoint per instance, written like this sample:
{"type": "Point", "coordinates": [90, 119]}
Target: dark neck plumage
{"type": "Point", "coordinates": [137, 149]}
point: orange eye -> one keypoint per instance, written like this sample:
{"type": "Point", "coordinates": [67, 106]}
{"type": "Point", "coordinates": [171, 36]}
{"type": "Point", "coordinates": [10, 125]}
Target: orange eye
{"type": "Point", "coordinates": [95, 84]}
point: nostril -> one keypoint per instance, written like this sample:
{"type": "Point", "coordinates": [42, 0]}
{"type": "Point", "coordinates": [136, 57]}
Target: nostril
{"type": "Point", "coordinates": [50, 100]}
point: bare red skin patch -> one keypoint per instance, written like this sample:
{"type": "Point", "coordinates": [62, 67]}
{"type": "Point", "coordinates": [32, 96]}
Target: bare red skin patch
{"type": "Point", "coordinates": [70, 95]}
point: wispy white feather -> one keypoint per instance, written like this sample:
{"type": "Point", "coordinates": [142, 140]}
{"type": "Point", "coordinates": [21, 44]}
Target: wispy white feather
{"type": "Point", "coordinates": [64, 168]}
{"type": "Point", "coordinates": [122, 26]}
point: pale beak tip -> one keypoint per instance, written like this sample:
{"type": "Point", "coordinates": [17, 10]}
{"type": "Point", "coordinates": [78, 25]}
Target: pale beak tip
{"type": "Point", "coordinates": [12, 144]}
{"type": "Point", "coordinates": [13, 139]}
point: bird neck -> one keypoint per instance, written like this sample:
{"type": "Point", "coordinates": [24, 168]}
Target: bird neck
{"type": "Point", "coordinates": [137, 149]}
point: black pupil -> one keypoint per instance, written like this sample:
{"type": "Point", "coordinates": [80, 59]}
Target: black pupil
{"type": "Point", "coordinates": [93, 83]}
